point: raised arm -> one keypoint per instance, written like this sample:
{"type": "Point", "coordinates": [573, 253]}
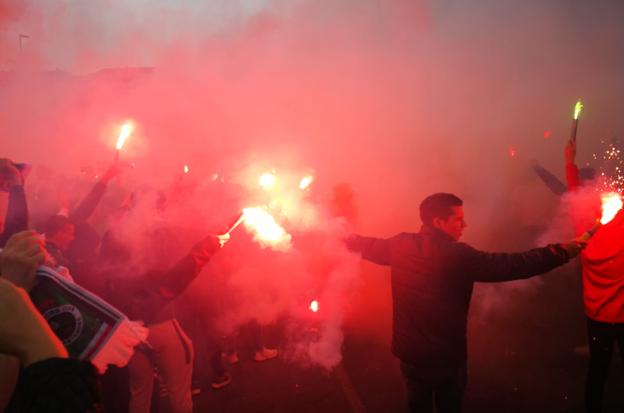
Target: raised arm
{"type": "Point", "coordinates": [551, 181]}
{"type": "Point", "coordinates": [87, 206]}
{"type": "Point", "coordinates": [174, 281]}
{"type": "Point", "coordinates": [495, 267]}
{"type": "Point", "coordinates": [376, 250]}
{"type": "Point", "coordinates": [572, 172]}
{"type": "Point", "coordinates": [12, 181]}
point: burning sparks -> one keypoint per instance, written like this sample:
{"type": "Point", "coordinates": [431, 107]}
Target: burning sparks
{"type": "Point", "coordinates": [267, 180]}
{"type": "Point", "coordinates": [314, 306]}
{"type": "Point", "coordinates": [611, 204]}
{"type": "Point", "coordinates": [265, 229]}
{"type": "Point", "coordinates": [611, 167]}
{"type": "Point", "coordinates": [124, 134]}
{"type": "Point", "coordinates": [186, 169]}
{"type": "Point", "coordinates": [306, 182]}
{"type": "Point", "coordinates": [577, 109]}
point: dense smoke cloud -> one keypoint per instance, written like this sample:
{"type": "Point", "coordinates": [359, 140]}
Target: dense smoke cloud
{"type": "Point", "coordinates": [398, 98]}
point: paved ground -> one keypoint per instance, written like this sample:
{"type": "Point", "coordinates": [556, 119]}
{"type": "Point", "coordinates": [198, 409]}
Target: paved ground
{"type": "Point", "coordinates": [369, 381]}
{"type": "Point", "coordinates": [521, 359]}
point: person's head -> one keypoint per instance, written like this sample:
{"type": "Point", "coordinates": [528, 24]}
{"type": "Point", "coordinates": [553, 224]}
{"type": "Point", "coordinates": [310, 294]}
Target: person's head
{"type": "Point", "coordinates": [444, 212]}
{"type": "Point", "coordinates": [59, 230]}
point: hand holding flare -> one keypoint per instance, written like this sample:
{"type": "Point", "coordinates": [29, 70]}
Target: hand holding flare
{"type": "Point", "coordinates": [264, 227]}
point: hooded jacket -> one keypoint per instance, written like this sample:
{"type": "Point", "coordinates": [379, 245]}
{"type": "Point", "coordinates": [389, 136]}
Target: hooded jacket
{"type": "Point", "coordinates": [602, 261]}
{"type": "Point", "coordinates": [603, 273]}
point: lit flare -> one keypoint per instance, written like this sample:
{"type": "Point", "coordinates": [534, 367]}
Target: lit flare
{"type": "Point", "coordinates": [611, 204]}
{"type": "Point", "coordinates": [314, 306]}
{"type": "Point", "coordinates": [265, 229]}
{"type": "Point", "coordinates": [124, 133]}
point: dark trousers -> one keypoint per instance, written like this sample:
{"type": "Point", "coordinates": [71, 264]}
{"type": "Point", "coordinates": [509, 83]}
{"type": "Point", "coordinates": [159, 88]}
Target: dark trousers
{"type": "Point", "coordinates": [601, 338]}
{"type": "Point", "coordinates": [445, 386]}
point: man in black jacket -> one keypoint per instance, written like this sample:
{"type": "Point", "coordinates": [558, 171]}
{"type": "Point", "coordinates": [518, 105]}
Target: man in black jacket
{"type": "Point", "coordinates": [432, 280]}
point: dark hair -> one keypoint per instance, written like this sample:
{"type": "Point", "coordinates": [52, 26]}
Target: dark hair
{"type": "Point", "coordinates": [438, 205]}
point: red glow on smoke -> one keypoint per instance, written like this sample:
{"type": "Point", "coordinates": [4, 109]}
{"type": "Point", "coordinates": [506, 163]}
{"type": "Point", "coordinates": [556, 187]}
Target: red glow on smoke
{"type": "Point", "coordinates": [512, 152]}
{"type": "Point", "coordinates": [547, 134]}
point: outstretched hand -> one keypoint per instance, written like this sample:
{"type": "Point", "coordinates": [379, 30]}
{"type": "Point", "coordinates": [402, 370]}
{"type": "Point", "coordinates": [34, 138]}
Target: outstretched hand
{"type": "Point", "coordinates": [223, 239]}
{"type": "Point", "coordinates": [574, 248]}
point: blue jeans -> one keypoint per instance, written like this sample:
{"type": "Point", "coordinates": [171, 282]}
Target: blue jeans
{"type": "Point", "coordinates": [445, 386]}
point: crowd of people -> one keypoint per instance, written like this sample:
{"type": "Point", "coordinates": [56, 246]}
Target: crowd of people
{"type": "Point", "coordinates": [432, 277]}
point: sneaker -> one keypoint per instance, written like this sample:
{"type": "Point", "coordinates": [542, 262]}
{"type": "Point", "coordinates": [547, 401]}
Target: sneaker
{"type": "Point", "coordinates": [265, 354]}
{"type": "Point", "coordinates": [220, 382]}
{"type": "Point", "coordinates": [231, 358]}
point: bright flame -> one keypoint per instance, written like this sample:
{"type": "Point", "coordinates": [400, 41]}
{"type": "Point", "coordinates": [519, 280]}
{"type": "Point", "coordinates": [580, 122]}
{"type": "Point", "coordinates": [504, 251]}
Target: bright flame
{"type": "Point", "coordinates": [305, 182]}
{"type": "Point", "coordinates": [577, 109]}
{"type": "Point", "coordinates": [611, 204]}
{"type": "Point", "coordinates": [124, 134]}
{"type": "Point", "coordinates": [314, 306]}
{"type": "Point", "coordinates": [186, 169]}
{"type": "Point", "coordinates": [267, 180]}
{"type": "Point", "coordinates": [266, 231]}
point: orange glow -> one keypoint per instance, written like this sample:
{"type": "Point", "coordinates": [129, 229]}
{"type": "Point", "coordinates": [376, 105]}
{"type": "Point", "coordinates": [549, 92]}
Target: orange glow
{"type": "Point", "coordinates": [267, 180]}
{"type": "Point", "coordinates": [305, 182]}
{"type": "Point", "coordinates": [265, 229]}
{"type": "Point", "coordinates": [314, 306]}
{"type": "Point", "coordinates": [124, 134]}
{"type": "Point", "coordinates": [611, 204]}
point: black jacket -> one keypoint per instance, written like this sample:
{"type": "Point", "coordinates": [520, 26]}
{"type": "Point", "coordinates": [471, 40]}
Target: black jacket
{"type": "Point", "coordinates": [432, 282]}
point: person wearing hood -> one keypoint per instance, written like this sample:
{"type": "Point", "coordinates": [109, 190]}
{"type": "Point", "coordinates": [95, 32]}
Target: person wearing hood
{"type": "Point", "coordinates": [602, 265]}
